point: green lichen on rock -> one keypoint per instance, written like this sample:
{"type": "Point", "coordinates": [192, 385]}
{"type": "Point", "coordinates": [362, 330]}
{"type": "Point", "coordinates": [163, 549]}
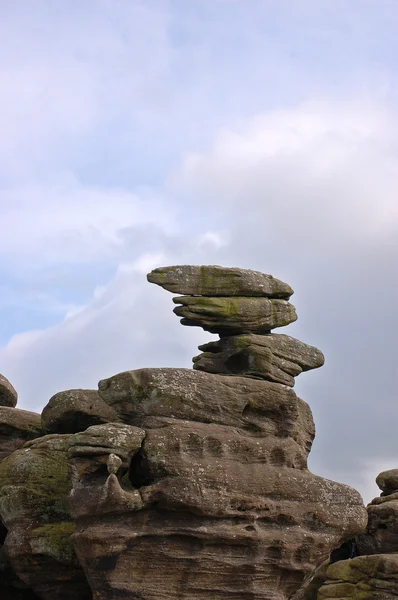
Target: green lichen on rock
{"type": "Point", "coordinates": [54, 539]}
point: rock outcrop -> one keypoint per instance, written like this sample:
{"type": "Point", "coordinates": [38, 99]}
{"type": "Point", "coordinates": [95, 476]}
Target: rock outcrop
{"type": "Point", "coordinates": [8, 395]}
{"type": "Point", "coordinates": [33, 505]}
{"type": "Point", "coordinates": [373, 574]}
{"type": "Point", "coordinates": [179, 483]}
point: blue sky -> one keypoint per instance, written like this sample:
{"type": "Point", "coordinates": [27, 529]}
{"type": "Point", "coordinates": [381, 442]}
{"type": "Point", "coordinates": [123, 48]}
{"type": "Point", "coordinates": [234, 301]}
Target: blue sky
{"type": "Point", "coordinates": [248, 133]}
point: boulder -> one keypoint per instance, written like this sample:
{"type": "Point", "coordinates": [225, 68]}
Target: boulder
{"type": "Point", "coordinates": [17, 427]}
{"type": "Point", "coordinates": [75, 410]}
{"type": "Point", "coordinates": [213, 280]}
{"type": "Point", "coordinates": [388, 481]}
{"type": "Point", "coordinates": [362, 578]}
{"type": "Point", "coordinates": [34, 486]}
{"type": "Point", "coordinates": [234, 315]}
{"type": "Point", "coordinates": [274, 357]}
{"type": "Point", "coordinates": [8, 395]}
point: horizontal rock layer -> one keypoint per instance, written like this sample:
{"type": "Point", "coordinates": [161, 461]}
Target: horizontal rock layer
{"type": "Point", "coordinates": [362, 578]}
{"type": "Point", "coordinates": [218, 281]}
{"type": "Point", "coordinates": [233, 316]}
{"type": "Point", "coordinates": [256, 408]}
{"type": "Point", "coordinates": [275, 357]}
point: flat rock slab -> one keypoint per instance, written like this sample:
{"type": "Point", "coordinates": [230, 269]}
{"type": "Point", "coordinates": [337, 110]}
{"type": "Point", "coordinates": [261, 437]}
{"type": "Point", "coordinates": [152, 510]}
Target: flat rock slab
{"type": "Point", "coordinates": [234, 315]}
{"type": "Point", "coordinates": [16, 428]}
{"type": "Point", "coordinates": [213, 280]}
{"type": "Point", "coordinates": [8, 395]}
{"type": "Point", "coordinates": [274, 357]}
{"type": "Point", "coordinates": [72, 411]}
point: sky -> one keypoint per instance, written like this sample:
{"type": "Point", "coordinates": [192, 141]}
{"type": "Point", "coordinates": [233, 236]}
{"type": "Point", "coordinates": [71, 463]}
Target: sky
{"type": "Point", "coordinates": [252, 133]}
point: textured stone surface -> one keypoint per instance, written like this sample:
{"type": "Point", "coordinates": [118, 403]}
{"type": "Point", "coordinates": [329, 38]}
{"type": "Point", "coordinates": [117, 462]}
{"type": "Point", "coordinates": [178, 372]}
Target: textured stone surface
{"type": "Point", "coordinates": [8, 395]}
{"type": "Point", "coordinates": [381, 535]}
{"type": "Point", "coordinates": [362, 578]}
{"type": "Point", "coordinates": [34, 487]}
{"type": "Point", "coordinates": [17, 427]}
{"type": "Point", "coordinates": [255, 407]}
{"type": "Point", "coordinates": [274, 357]}
{"type": "Point", "coordinates": [388, 481]}
{"type": "Point", "coordinates": [217, 502]}
{"type": "Point", "coordinates": [75, 410]}
{"type": "Point", "coordinates": [234, 315]}
{"type": "Point", "coordinates": [213, 280]}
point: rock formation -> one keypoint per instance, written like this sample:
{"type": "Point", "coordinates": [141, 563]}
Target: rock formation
{"type": "Point", "coordinates": [179, 483]}
{"type": "Point", "coordinates": [373, 574]}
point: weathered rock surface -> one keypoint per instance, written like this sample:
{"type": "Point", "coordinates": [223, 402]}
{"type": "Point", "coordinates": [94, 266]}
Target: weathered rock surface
{"type": "Point", "coordinates": [17, 427]}
{"type": "Point", "coordinates": [8, 395]}
{"type": "Point", "coordinates": [362, 578]}
{"type": "Point", "coordinates": [177, 483]}
{"type": "Point", "coordinates": [255, 407]}
{"type": "Point", "coordinates": [388, 481]}
{"type": "Point", "coordinates": [234, 315]}
{"type": "Point", "coordinates": [275, 357]}
{"type": "Point", "coordinates": [33, 496]}
{"type": "Point", "coordinates": [217, 488]}
{"type": "Point", "coordinates": [75, 410]}
{"type": "Point", "coordinates": [213, 280]}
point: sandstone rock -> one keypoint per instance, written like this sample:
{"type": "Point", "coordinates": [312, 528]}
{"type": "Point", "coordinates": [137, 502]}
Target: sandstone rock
{"type": "Point", "coordinates": [8, 395]}
{"type": "Point", "coordinates": [309, 589]}
{"type": "Point", "coordinates": [388, 481]}
{"type": "Point", "coordinates": [217, 502]}
{"type": "Point", "coordinates": [234, 315]}
{"type": "Point", "coordinates": [381, 535]}
{"type": "Point", "coordinates": [362, 578]}
{"type": "Point", "coordinates": [100, 454]}
{"type": "Point", "coordinates": [255, 407]}
{"type": "Point", "coordinates": [17, 427]}
{"type": "Point", "coordinates": [218, 281]}
{"type": "Point", "coordinates": [75, 410]}
{"type": "Point", "coordinates": [274, 357]}
{"type": "Point", "coordinates": [34, 486]}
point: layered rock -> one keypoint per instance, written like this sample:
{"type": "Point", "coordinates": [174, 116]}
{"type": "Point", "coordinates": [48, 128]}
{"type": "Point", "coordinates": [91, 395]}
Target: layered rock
{"type": "Point", "coordinates": [277, 357]}
{"type": "Point", "coordinates": [220, 488]}
{"type": "Point", "coordinates": [214, 280]}
{"type": "Point", "coordinates": [16, 428]}
{"type": "Point", "coordinates": [362, 578]}
{"type": "Point", "coordinates": [33, 497]}
{"type": "Point", "coordinates": [373, 574]}
{"type": "Point", "coordinates": [178, 483]}
{"type": "Point", "coordinates": [8, 395]}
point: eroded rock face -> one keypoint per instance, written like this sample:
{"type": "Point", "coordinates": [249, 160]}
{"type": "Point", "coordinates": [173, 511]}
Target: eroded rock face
{"type": "Point", "coordinates": [8, 395]}
{"type": "Point", "coordinates": [178, 483]}
{"type": "Point", "coordinates": [219, 489]}
{"type": "Point", "coordinates": [214, 280]}
{"type": "Point", "coordinates": [16, 428]}
{"type": "Point", "coordinates": [75, 410]}
{"type": "Point", "coordinates": [277, 357]}
{"type": "Point", "coordinates": [362, 578]}
{"type": "Point", "coordinates": [235, 315]}
{"type": "Point", "coordinates": [33, 496]}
